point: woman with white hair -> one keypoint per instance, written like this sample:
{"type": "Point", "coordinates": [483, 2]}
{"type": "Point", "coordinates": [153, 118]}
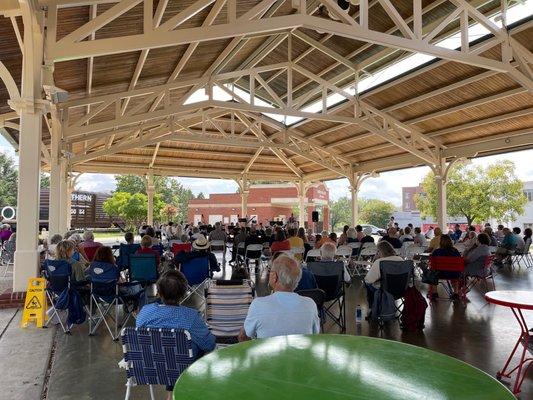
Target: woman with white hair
{"type": "Point", "coordinates": [51, 246]}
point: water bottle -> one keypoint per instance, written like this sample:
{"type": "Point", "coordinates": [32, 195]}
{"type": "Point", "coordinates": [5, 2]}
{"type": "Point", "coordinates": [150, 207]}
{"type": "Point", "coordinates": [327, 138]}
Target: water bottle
{"type": "Point", "coordinates": [358, 314]}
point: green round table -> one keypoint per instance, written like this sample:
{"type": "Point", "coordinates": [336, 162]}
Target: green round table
{"type": "Point", "coordinates": [333, 367]}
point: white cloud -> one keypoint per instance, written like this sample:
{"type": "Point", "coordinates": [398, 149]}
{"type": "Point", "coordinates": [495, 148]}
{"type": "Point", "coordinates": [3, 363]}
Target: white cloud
{"type": "Point", "coordinates": [96, 182]}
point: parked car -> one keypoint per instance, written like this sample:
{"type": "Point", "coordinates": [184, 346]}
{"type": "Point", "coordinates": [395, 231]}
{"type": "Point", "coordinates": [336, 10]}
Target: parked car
{"type": "Point", "coordinates": [375, 230]}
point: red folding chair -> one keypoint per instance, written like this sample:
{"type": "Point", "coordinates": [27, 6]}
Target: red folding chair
{"type": "Point", "coordinates": [90, 251]}
{"type": "Point", "coordinates": [178, 247]}
{"type": "Point", "coordinates": [448, 265]}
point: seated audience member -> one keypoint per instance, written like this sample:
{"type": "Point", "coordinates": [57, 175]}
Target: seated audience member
{"type": "Point", "coordinates": [129, 237]}
{"type": "Point", "coordinates": [520, 244]}
{"type": "Point", "coordinates": [200, 248]}
{"type": "Point", "coordinates": [324, 237]}
{"type": "Point", "coordinates": [5, 232]}
{"type": "Point", "coordinates": [281, 243]}
{"type": "Point", "coordinates": [327, 254]}
{"type": "Point", "coordinates": [419, 238]}
{"type": "Point", "coordinates": [446, 249]}
{"type": "Point", "coordinates": [384, 252]}
{"type": "Point", "coordinates": [470, 239]}
{"type": "Point", "coordinates": [310, 236]}
{"type": "Point", "coordinates": [333, 238]}
{"type": "Point", "coordinates": [492, 237]}
{"type": "Point", "coordinates": [218, 233]}
{"type": "Point", "coordinates": [367, 238]}
{"type": "Point", "coordinates": [51, 247]}
{"type": "Point", "coordinates": [435, 242]}
{"type": "Point", "coordinates": [146, 248]}
{"type": "Point", "coordinates": [457, 233]}
{"type": "Point", "coordinates": [64, 251]}
{"type": "Point", "coordinates": [283, 312]}
{"type": "Point", "coordinates": [343, 238]}
{"type": "Point", "coordinates": [294, 239]}
{"type": "Point", "coordinates": [79, 252]}
{"type": "Point", "coordinates": [359, 232]}
{"type": "Point", "coordinates": [500, 234]}
{"type": "Point", "coordinates": [351, 236]}
{"type": "Point", "coordinates": [88, 240]}
{"type": "Point", "coordinates": [406, 237]}
{"type": "Point", "coordinates": [151, 232]}
{"type": "Point", "coordinates": [527, 239]}
{"type": "Point", "coordinates": [392, 239]}
{"type": "Point", "coordinates": [184, 238]}
{"type": "Point", "coordinates": [240, 237]}
{"type": "Point", "coordinates": [195, 233]}
{"type": "Point", "coordinates": [475, 256]}
{"type": "Point", "coordinates": [167, 313]}
{"type": "Point", "coordinates": [507, 247]}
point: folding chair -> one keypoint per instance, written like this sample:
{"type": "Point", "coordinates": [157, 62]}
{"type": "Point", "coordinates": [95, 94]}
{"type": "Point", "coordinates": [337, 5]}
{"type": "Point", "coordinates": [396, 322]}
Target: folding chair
{"type": "Point", "coordinates": [319, 297]}
{"type": "Point", "coordinates": [241, 253]}
{"type": "Point", "coordinates": [159, 248]}
{"type": "Point", "coordinates": [178, 247]}
{"type": "Point", "coordinates": [90, 251]}
{"type": "Point", "coordinates": [217, 246]}
{"type": "Point", "coordinates": [405, 248]}
{"type": "Point", "coordinates": [447, 265]}
{"type": "Point", "coordinates": [155, 356]}
{"type": "Point", "coordinates": [365, 259]}
{"type": "Point", "coordinates": [57, 274]}
{"type": "Point", "coordinates": [125, 250]}
{"type": "Point", "coordinates": [521, 254]}
{"type": "Point", "coordinates": [343, 253]}
{"type": "Point", "coordinates": [484, 273]}
{"type": "Point", "coordinates": [143, 269]}
{"type": "Point", "coordinates": [312, 255]}
{"type": "Point", "coordinates": [7, 255]}
{"type": "Point", "coordinates": [253, 252]}
{"type": "Point", "coordinates": [106, 296]}
{"type": "Point", "coordinates": [460, 247]}
{"type": "Point", "coordinates": [227, 304]}
{"type": "Point", "coordinates": [396, 276]}
{"type": "Point", "coordinates": [197, 272]}
{"type": "Point", "coordinates": [527, 254]}
{"type": "Point", "coordinates": [329, 277]}
{"type": "Point", "coordinates": [355, 246]}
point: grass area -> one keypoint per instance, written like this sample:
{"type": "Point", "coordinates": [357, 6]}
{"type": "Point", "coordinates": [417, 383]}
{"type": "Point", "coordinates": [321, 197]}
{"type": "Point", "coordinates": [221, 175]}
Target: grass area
{"type": "Point", "coordinates": [108, 236]}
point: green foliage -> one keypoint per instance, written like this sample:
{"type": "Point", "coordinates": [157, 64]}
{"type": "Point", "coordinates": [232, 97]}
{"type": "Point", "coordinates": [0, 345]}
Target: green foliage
{"type": "Point", "coordinates": [371, 211]}
{"type": "Point", "coordinates": [341, 212]}
{"type": "Point", "coordinates": [133, 208]}
{"type": "Point", "coordinates": [171, 192]}
{"type": "Point", "coordinates": [200, 196]}
{"type": "Point", "coordinates": [477, 193]}
{"type": "Point", "coordinates": [45, 181]}
{"type": "Point", "coordinates": [375, 212]}
{"type": "Point", "coordinates": [8, 182]}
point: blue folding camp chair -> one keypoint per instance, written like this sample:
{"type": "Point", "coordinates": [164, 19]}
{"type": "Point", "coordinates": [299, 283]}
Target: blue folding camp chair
{"type": "Point", "coordinates": [106, 296]}
{"type": "Point", "coordinates": [57, 274]}
{"type": "Point", "coordinates": [155, 356]}
{"type": "Point", "coordinates": [143, 268]}
{"type": "Point", "coordinates": [124, 252]}
{"type": "Point", "coordinates": [197, 273]}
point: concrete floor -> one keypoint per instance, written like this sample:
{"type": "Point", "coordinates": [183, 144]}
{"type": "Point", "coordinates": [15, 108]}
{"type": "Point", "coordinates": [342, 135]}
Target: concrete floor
{"type": "Point", "coordinates": [86, 367]}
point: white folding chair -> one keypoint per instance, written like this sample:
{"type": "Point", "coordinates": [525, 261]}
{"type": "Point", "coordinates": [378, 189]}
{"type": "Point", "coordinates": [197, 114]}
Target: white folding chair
{"type": "Point", "coordinates": [313, 253]}
{"type": "Point", "coordinates": [344, 253]}
{"type": "Point", "coordinates": [405, 247]}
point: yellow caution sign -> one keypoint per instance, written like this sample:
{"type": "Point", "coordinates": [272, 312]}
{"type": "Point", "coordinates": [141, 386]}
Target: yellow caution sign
{"type": "Point", "coordinates": [35, 304]}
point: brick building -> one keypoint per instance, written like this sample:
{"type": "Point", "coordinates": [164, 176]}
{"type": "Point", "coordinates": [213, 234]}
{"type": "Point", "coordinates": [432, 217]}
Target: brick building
{"type": "Point", "coordinates": [265, 203]}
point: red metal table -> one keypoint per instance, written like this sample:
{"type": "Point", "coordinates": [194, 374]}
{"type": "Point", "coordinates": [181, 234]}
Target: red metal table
{"type": "Point", "coordinates": [517, 301]}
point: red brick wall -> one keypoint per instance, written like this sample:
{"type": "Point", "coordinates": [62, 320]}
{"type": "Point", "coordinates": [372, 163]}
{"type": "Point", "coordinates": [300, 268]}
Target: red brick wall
{"type": "Point", "coordinates": [260, 199]}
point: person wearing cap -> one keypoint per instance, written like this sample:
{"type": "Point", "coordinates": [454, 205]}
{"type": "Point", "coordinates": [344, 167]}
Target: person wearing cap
{"type": "Point", "coordinates": [367, 238]}
{"type": "Point", "coordinates": [200, 248]}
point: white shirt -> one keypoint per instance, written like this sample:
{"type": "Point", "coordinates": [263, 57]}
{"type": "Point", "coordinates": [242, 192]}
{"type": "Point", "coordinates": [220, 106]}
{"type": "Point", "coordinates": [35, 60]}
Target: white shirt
{"type": "Point", "coordinates": [420, 240]}
{"type": "Point", "coordinates": [281, 313]}
{"type": "Point", "coordinates": [373, 276]}
{"type": "Point", "coordinates": [406, 237]}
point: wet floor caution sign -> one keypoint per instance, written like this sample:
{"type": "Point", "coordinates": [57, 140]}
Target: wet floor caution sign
{"type": "Point", "coordinates": [35, 304]}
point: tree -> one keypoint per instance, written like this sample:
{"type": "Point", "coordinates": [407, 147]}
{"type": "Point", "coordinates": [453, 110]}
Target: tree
{"type": "Point", "coordinates": [45, 181]}
{"type": "Point", "coordinates": [200, 196]}
{"type": "Point", "coordinates": [132, 208]}
{"type": "Point", "coordinates": [8, 183]}
{"type": "Point", "coordinates": [341, 212]}
{"type": "Point", "coordinates": [169, 212]}
{"type": "Point", "coordinates": [375, 212]}
{"type": "Point", "coordinates": [477, 193]}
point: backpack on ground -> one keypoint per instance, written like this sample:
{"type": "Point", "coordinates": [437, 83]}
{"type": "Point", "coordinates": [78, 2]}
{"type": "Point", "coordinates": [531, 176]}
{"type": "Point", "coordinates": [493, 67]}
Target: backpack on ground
{"type": "Point", "coordinates": [383, 306]}
{"type": "Point", "coordinates": [414, 310]}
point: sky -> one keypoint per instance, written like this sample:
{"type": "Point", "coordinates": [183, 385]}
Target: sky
{"type": "Point", "coordinates": [387, 187]}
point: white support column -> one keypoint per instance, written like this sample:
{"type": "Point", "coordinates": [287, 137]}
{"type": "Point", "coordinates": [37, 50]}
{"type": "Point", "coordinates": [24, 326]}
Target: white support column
{"type": "Point", "coordinates": [150, 190]}
{"type": "Point", "coordinates": [302, 200]}
{"type": "Point", "coordinates": [440, 181]}
{"type": "Point", "coordinates": [30, 111]}
{"type": "Point", "coordinates": [355, 184]}
{"type": "Point", "coordinates": [54, 202]}
{"type": "Point", "coordinates": [64, 199]}
{"type": "Point", "coordinates": [244, 187]}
